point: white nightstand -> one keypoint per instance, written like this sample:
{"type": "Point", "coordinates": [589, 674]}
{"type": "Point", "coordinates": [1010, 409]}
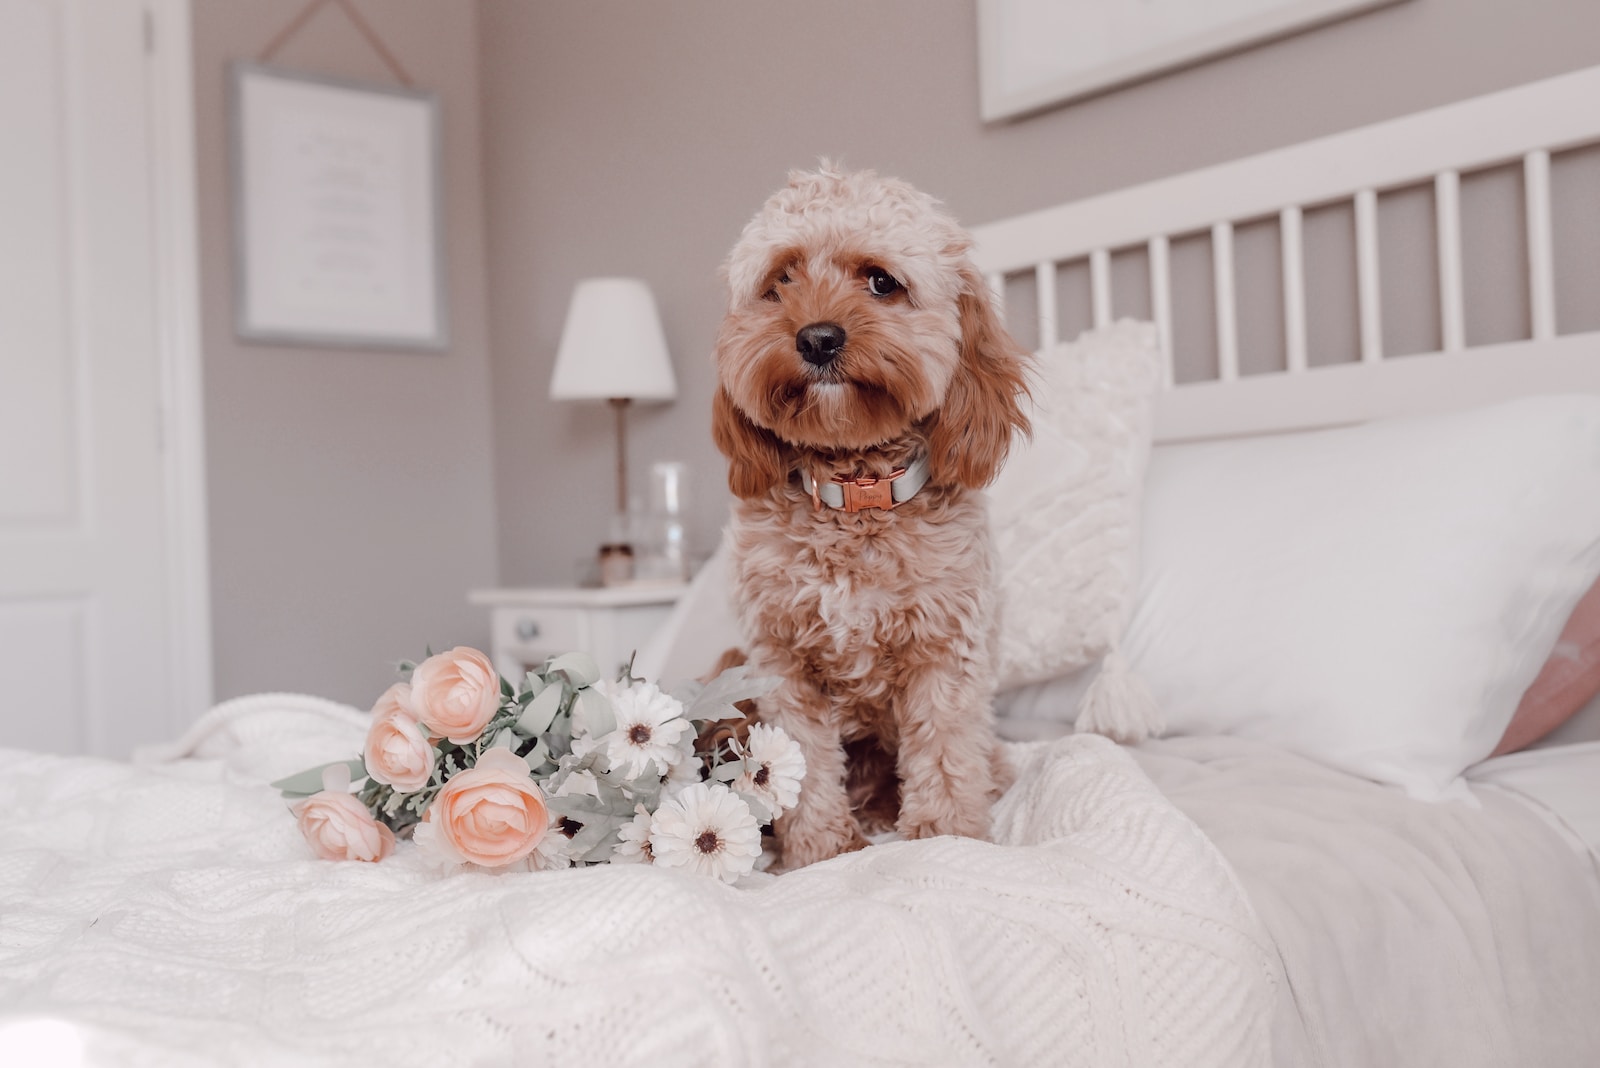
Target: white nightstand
{"type": "Point", "coordinates": [528, 626]}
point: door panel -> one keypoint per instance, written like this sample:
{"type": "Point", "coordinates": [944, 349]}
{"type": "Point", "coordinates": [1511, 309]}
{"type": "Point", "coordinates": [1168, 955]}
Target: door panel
{"type": "Point", "coordinates": [84, 619]}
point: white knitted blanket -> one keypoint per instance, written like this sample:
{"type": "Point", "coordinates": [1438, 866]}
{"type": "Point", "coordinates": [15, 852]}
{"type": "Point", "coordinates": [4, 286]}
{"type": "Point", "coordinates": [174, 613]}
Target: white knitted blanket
{"type": "Point", "coordinates": [169, 914]}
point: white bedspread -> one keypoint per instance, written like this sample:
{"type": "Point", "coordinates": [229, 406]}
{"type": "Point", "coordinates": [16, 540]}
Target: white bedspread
{"type": "Point", "coordinates": [1411, 933]}
{"type": "Point", "coordinates": [170, 914]}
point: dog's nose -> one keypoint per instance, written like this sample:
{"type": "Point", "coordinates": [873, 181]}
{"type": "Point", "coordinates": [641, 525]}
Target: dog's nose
{"type": "Point", "coordinates": [819, 343]}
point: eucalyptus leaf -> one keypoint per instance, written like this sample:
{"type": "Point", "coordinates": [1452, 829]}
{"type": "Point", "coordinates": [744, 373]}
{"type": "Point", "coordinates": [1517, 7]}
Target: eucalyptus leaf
{"type": "Point", "coordinates": [540, 712]}
{"type": "Point", "coordinates": [592, 714]}
{"type": "Point", "coordinates": [577, 806]}
{"type": "Point", "coordinates": [504, 740]}
{"type": "Point", "coordinates": [600, 854]}
{"type": "Point", "coordinates": [716, 700]}
{"type": "Point", "coordinates": [758, 806]}
{"type": "Point", "coordinates": [579, 668]}
{"type": "Point", "coordinates": [729, 771]}
{"type": "Point", "coordinates": [308, 782]}
{"type": "Point", "coordinates": [686, 692]}
{"type": "Point", "coordinates": [596, 832]}
{"type": "Point", "coordinates": [537, 756]}
{"type": "Point", "coordinates": [532, 685]}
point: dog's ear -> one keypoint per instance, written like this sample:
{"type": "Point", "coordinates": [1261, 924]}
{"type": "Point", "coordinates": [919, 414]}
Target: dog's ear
{"type": "Point", "coordinates": [755, 455]}
{"type": "Point", "coordinates": [970, 434]}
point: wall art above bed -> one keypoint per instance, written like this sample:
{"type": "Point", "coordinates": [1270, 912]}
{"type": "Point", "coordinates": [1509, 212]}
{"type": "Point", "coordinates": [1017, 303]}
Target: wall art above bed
{"type": "Point", "coordinates": [1033, 53]}
{"type": "Point", "coordinates": [337, 211]}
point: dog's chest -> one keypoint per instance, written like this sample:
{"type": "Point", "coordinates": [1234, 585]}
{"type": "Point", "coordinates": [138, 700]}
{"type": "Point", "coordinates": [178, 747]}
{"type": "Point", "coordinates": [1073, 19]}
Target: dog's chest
{"type": "Point", "coordinates": [851, 597]}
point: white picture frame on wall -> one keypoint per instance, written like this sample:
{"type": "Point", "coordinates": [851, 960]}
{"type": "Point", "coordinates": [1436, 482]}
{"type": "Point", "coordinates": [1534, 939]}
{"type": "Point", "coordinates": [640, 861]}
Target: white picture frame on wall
{"type": "Point", "coordinates": [338, 219]}
{"type": "Point", "coordinates": [1035, 53]}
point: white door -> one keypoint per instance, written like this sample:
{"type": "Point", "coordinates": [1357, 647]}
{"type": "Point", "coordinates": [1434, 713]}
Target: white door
{"type": "Point", "coordinates": [92, 614]}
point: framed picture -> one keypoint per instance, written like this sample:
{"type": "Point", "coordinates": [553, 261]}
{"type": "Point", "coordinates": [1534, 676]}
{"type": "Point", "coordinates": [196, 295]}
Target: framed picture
{"type": "Point", "coordinates": [1033, 53]}
{"type": "Point", "coordinates": [337, 212]}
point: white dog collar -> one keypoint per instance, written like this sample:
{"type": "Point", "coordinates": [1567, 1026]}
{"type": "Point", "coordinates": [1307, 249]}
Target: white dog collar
{"type": "Point", "coordinates": [856, 494]}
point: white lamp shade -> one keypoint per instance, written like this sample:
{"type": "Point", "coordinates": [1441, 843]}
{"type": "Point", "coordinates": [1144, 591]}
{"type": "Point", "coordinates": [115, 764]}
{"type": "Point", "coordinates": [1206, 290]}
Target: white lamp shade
{"type": "Point", "coordinates": [612, 345]}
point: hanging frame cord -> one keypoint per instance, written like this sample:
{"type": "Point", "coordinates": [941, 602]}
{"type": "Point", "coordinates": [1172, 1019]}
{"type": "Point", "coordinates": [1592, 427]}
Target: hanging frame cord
{"type": "Point", "coordinates": [362, 26]}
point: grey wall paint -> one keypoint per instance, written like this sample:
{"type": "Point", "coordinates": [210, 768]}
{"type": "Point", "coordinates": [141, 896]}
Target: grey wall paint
{"type": "Point", "coordinates": [637, 138]}
{"type": "Point", "coordinates": [350, 491]}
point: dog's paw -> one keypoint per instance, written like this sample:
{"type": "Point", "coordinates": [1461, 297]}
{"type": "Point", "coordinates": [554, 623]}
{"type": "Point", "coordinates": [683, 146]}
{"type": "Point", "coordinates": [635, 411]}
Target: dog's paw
{"type": "Point", "coordinates": [802, 849]}
{"type": "Point", "coordinates": [966, 823]}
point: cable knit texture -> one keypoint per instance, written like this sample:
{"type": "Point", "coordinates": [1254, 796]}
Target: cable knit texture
{"type": "Point", "coordinates": [172, 915]}
{"type": "Point", "coordinates": [1065, 508]}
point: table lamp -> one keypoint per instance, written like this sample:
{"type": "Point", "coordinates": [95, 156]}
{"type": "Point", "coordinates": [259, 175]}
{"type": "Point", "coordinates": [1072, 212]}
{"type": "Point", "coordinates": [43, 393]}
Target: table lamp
{"type": "Point", "coordinates": [612, 349]}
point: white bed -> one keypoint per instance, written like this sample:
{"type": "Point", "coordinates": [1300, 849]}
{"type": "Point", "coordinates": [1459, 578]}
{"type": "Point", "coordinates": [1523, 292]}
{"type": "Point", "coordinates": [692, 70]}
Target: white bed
{"type": "Point", "coordinates": [1409, 933]}
{"type": "Point", "coordinates": [1198, 900]}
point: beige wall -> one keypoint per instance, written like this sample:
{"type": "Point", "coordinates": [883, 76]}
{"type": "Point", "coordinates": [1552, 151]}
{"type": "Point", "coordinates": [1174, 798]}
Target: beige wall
{"type": "Point", "coordinates": [629, 137]}
{"type": "Point", "coordinates": [355, 495]}
{"type": "Point", "coordinates": [350, 491]}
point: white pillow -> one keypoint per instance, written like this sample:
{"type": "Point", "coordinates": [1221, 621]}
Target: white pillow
{"type": "Point", "coordinates": [1065, 508]}
{"type": "Point", "coordinates": [700, 629]}
{"type": "Point", "coordinates": [1376, 597]}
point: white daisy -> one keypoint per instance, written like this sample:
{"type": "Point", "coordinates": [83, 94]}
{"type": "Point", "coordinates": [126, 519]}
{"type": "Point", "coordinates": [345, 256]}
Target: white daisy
{"type": "Point", "coordinates": [551, 854]}
{"type": "Point", "coordinates": [686, 772]}
{"type": "Point", "coordinates": [706, 829]}
{"type": "Point", "coordinates": [633, 839]}
{"type": "Point", "coordinates": [649, 728]}
{"type": "Point", "coordinates": [774, 766]}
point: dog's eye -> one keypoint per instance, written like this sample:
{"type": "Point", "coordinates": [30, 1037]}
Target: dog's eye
{"type": "Point", "coordinates": [772, 294]}
{"type": "Point", "coordinates": [880, 283]}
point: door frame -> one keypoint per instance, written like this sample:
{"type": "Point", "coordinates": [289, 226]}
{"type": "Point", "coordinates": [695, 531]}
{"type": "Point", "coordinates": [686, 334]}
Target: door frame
{"type": "Point", "coordinates": [170, 69]}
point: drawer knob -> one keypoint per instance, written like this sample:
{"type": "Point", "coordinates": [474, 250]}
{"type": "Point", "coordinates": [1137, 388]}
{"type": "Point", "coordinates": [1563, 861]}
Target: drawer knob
{"type": "Point", "coordinates": [527, 629]}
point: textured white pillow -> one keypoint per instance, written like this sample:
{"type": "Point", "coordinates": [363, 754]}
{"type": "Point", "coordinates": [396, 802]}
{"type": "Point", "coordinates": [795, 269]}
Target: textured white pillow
{"type": "Point", "coordinates": [1065, 508]}
{"type": "Point", "coordinates": [1376, 597]}
{"type": "Point", "coordinates": [700, 629]}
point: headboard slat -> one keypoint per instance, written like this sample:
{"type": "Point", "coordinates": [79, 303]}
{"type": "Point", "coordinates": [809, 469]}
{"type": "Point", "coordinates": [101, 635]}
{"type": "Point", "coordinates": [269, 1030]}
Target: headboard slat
{"type": "Point", "coordinates": [1367, 285]}
{"type": "Point", "coordinates": [1045, 281]}
{"type": "Point", "coordinates": [1294, 290]}
{"type": "Point", "coordinates": [1100, 286]}
{"type": "Point", "coordinates": [1541, 263]}
{"type": "Point", "coordinates": [1161, 305]}
{"type": "Point", "coordinates": [997, 290]}
{"type": "Point", "coordinates": [1223, 286]}
{"type": "Point", "coordinates": [1452, 310]}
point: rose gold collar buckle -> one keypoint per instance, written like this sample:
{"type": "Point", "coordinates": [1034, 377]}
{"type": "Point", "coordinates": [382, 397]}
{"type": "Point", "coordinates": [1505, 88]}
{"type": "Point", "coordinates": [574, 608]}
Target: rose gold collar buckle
{"type": "Point", "coordinates": [862, 493]}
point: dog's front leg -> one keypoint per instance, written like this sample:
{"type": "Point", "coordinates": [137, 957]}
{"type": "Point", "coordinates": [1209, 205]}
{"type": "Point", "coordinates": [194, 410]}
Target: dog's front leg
{"type": "Point", "coordinates": [821, 824]}
{"type": "Point", "coordinates": [946, 757]}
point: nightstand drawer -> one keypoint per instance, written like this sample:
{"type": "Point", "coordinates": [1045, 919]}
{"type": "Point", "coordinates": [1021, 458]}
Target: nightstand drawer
{"type": "Point", "coordinates": [529, 626]}
{"type": "Point", "coordinates": [549, 631]}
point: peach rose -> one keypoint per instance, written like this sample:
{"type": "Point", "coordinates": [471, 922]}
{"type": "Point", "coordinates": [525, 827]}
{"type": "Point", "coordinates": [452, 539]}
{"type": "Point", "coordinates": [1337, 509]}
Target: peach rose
{"type": "Point", "coordinates": [491, 814]}
{"type": "Point", "coordinates": [397, 753]}
{"type": "Point", "coordinates": [455, 694]}
{"type": "Point", "coordinates": [339, 827]}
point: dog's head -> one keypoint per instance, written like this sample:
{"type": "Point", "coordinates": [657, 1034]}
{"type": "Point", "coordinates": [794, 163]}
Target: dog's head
{"type": "Point", "coordinates": [854, 319]}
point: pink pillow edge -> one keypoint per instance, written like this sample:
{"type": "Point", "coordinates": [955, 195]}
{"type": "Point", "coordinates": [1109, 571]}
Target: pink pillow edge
{"type": "Point", "coordinates": [1565, 683]}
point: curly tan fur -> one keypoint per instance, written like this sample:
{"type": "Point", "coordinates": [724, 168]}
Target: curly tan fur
{"type": "Point", "coordinates": [880, 623]}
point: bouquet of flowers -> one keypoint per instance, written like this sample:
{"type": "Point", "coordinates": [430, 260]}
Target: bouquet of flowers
{"type": "Point", "coordinates": [563, 769]}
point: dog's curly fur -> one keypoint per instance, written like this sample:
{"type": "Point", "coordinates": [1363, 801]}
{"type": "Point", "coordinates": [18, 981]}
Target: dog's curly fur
{"type": "Point", "coordinates": [879, 623]}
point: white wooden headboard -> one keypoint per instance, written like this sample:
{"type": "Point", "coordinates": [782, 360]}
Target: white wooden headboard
{"type": "Point", "coordinates": [1437, 147]}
